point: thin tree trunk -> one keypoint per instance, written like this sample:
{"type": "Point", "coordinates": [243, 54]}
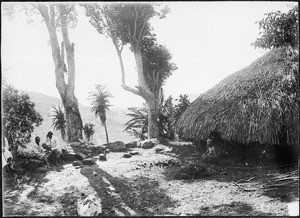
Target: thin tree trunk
{"type": "Point", "coordinates": [107, 140]}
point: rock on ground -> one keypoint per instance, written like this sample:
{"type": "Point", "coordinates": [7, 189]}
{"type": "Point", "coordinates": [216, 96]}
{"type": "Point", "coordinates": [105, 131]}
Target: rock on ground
{"type": "Point", "coordinates": [127, 155]}
{"type": "Point", "coordinates": [88, 161]}
{"type": "Point", "coordinates": [149, 143]}
{"type": "Point", "coordinates": [80, 156]}
{"type": "Point", "coordinates": [131, 144]}
{"type": "Point", "coordinates": [116, 146]}
{"type": "Point", "coordinates": [134, 152]}
{"type": "Point", "coordinates": [89, 206]}
{"type": "Point", "coordinates": [76, 163]}
{"type": "Point", "coordinates": [102, 157]}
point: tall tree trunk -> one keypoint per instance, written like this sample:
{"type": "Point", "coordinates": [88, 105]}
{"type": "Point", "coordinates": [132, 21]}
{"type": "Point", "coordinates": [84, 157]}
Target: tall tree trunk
{"type": "Point", "coordinates": [66, 90]}
{"type": "Point", "coordinates": [153, 127]}
{"type": "Point", "coordinates": [107, 140]}
{"type": "Point", "coordinates": [73, 118]}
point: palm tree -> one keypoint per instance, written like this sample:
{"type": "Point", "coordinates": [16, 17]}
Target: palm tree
{"type": "Point", "coordinates": [100, 104]}
{"type": "Point", "coordinates": [59, 120]}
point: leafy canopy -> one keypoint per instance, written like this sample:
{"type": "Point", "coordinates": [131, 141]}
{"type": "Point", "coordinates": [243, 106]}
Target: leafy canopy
{"type": "Point", "coordinates": [279, 30]}
{"type": "Point", "coordinates": [19, 117]}
{"type": "Point", "coordinates": [124, 22]}
{"type": "Point", "coordinates": [157, 65]}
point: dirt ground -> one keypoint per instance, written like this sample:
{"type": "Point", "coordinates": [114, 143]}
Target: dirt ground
{"type": "Point", "coordinates": [144, 185]}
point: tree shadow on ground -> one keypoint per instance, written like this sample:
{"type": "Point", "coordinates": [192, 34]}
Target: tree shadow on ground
{"type": "Point", "coordinates": [141, 194]}
{"type": "Point", "coordinates": [14, 186]}
{"type": "Point", "coordinates": [232, 209]}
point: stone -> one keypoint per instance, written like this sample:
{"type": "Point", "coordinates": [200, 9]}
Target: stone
{"type": "Point", "coordinates": [102, 149]}
{"type": "Point", "coordinates": [33, 164]}
{"type": "Point", "coordinates": [116, 146]}
{"type": "Point", "coordinates": [85, 151]}
{"type": "Point", "coordinates": [89, 206]}
{"type": "Point", "coordinates": [69, 156]}
{"type": "Point", "coordinates": [131, 144]}
{"type": "Point", "coordinates": [147, 144]}
{"type": "Point", "coordinates": [102, 157]}
{"type": "Point", "coordinates": [107, 150]}
{"type": "Point", "coordinates": [41, 169]}
{"type": "Point", "coordinates": [133, 152]}
{"type": "Point", "coordinates": [76, 163]}
{"type": "Point", "coordinates": [127, 155]}
{"type": "Point", "coordinates": [159, 149]}
{"type": "Point", "coordinates": [80, 156]}
{"type": "Point", "coordinates": [88, 161]}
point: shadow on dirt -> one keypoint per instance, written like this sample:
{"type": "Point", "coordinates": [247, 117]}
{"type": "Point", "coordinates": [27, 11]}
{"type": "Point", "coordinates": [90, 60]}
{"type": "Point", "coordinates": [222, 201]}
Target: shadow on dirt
{"type": "Point", "coordinates": [229, 169]}
{"type": "Point", "coordinates": [232, 209]}
{"type": "Point", "coordinates": [120, 196]}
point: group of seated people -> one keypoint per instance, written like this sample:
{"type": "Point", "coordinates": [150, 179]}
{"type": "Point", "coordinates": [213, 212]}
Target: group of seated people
{"type": "Point", "coordinates": [50, 148]}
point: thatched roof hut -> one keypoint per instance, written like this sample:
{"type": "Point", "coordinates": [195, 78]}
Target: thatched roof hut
{"type": "Point", "coordinates": [255, 104]}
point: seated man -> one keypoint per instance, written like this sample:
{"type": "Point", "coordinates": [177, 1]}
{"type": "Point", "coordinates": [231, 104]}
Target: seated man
{"type": "Point", "coordinates": [42, 154]}
{"type": "Point", "coordinates": [53, 143]}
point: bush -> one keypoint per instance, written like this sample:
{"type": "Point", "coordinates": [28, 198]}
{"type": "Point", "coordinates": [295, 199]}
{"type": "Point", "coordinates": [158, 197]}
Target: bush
{"type": "Point", "coordinates": [88, 130]}
{"type": "Point", "coordinates": [19, 117]}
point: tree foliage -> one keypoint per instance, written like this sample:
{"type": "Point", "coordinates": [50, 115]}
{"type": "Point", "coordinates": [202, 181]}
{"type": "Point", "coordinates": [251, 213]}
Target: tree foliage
{"type": "Point", "coordinates": [19, 117]}
{"type": "Point", "coordinates": [89, 130]}
{"type": "Point", "coordinates": [157, 65]}
{"type": "Point", "coordinates": [282, 30]}
{"type": "Point", "coordinates": [168, 115]}
{"type": "Point", "coordinates": [139, 123]}
{"type": "Point", "coordinates": [279, 30]}
{"type": "Point", "coordinates": [59, 120]}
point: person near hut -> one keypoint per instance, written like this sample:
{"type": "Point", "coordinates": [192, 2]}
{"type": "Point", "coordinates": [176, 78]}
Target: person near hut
{"type": "Point", "coordinates": [42, 154]}
{"type": "Point", "coordinates": [210, 150]}
{"type": "Point", "coordinates": [53, 143]}
{"type": "Point", "coordinates": [7, 158]}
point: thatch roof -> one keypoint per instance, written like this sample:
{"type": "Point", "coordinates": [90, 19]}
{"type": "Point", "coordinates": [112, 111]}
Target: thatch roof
{"type": "Point", "coordinates": [251, 105]}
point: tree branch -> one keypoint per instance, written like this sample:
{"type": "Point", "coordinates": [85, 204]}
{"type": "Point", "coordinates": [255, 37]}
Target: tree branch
{"type": "Point", "coordinates": [69, 49]}
{"type": "Point", "coordinates": [130, 89]}
{"type": "Point", "coordinates": [142, 29]}
{"type": "Point", "coordinates": [52, 16]}
{"type": "Point", "coordinates": [135, 22]}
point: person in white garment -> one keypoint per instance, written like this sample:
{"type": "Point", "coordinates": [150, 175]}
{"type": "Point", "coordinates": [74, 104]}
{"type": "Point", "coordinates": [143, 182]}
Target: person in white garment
{"type": "Point", "coordinates": [7, 158]}
{"type": "Point", "coordinates": [53, 143]}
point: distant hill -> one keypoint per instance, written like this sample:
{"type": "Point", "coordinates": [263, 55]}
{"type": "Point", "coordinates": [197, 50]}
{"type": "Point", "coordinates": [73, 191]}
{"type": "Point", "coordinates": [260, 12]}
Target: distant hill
{"type": "Point", "coordinates": [116, 118]}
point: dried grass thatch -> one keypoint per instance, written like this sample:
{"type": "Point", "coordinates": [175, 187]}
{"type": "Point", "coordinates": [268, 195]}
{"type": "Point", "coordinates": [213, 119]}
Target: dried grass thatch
{"type": "Point", "coordinates": [254, 104]}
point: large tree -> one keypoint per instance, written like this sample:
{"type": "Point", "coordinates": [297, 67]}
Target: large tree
{"type": "Point", "coordinates": [62, 15]}
{"type": "Point", "coordinates": [281, 30]}
{"type": "Point", "coordinates": [129, 24]}
{"type": "Point", "coordinates": [59, 17]}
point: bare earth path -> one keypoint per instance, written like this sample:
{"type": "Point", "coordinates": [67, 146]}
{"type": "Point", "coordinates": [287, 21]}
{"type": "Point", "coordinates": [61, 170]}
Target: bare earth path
{"type": "Point", "coordinates": [134, 186]}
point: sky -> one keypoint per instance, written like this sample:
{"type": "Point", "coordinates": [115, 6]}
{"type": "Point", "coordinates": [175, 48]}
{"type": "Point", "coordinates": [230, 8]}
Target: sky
{"type": "Point", "coordinates": [208, 41]}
